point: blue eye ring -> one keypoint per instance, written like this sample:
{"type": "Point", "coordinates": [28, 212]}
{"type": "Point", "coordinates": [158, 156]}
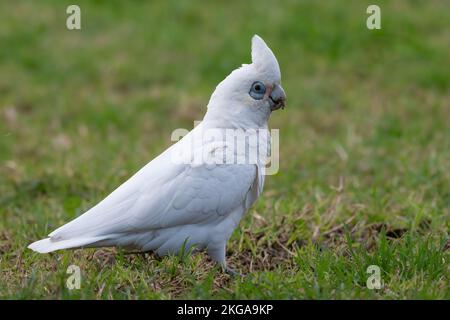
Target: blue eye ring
{"type": "Point", "coordinates": [257, 90]}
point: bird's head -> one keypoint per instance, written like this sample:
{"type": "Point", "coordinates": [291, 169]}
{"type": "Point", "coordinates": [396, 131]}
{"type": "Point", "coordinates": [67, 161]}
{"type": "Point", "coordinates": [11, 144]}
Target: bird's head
{"type": "Point", "coordinates": [247, 96]}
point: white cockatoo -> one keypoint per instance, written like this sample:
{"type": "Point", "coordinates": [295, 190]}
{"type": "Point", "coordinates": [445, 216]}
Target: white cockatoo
{"type": "Point", "coordinates": [169, 205]}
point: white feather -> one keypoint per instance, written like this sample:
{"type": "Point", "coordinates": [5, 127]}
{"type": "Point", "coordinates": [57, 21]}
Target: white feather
{"type": "Point", "coordinates": [167, 204]}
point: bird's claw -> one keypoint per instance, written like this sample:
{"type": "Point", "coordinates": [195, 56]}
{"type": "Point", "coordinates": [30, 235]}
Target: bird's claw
{"type": "Point", "coordinates": [233, 273]}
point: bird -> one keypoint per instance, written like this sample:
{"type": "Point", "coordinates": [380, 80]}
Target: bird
{"type": "Point", "coordinates": [175, 203]}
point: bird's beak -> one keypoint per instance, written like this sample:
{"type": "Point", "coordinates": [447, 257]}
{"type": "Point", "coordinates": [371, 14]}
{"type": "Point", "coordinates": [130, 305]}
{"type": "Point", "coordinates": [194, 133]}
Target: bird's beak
{"type": "Point", "coordinates": [277, 98]}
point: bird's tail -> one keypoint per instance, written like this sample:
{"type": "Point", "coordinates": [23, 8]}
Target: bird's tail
{"type": "Point", "coordinates": [49, 244]}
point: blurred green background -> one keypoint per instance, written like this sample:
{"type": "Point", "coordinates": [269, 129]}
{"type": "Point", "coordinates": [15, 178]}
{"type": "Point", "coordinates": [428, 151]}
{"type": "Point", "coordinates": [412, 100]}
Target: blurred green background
{"type": "Point", "coordinates": [367, 110]}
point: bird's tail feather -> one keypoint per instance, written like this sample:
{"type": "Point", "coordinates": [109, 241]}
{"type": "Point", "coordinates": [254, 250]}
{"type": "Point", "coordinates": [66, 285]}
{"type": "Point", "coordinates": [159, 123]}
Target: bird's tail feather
{"type": "Point", "coordinates": [49, 244]}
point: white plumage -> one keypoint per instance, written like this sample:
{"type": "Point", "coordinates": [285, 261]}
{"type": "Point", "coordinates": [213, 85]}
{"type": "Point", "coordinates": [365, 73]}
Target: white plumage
{"type": "Point", "coordinates": [167, 204]}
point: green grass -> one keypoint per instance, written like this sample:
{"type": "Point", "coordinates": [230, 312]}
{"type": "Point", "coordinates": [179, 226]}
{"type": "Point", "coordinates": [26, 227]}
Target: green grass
{"type": "Point", "coordinates": [365, 143]}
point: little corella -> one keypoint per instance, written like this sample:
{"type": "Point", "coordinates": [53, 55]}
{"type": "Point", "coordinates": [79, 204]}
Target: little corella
{"type": "Point", "coordinates": [168, 205]}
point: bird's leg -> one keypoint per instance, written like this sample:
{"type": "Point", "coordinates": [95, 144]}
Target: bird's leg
{"type": "Point", "coordinates": [218, 255]}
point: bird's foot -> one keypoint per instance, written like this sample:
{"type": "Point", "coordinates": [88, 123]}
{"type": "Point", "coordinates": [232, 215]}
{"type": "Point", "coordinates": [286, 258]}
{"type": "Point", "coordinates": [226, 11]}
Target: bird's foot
{"type": "Point", "coordinates": [232, 272]}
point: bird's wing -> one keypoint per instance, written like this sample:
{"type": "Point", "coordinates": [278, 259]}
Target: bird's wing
{"type": "Point", "coordinates": [198, 194]}
{"type": "Point", "coordinates": [164, 194]}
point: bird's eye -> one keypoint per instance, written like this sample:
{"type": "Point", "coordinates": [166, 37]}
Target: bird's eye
{"type": "Point", "coordinates": [257, 90]}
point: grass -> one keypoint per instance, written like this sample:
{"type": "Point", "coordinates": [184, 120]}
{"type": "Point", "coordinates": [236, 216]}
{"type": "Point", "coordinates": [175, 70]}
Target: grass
{"type": "Point", "coordinates": [365, 150]}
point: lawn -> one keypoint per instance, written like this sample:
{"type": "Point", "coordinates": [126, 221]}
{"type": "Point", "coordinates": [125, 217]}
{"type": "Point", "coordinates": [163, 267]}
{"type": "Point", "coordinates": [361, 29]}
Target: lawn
{"type": "Point", "coordinates": [364, 173]}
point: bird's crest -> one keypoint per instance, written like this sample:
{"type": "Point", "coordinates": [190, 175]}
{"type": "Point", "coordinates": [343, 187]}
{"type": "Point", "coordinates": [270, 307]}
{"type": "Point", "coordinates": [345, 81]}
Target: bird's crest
{"type": "Point", "coordinates": [263, 58]}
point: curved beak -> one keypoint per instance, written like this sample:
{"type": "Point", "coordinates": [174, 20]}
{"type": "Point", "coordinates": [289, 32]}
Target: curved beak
{"type": "Point", "coordinates": [277, 98]}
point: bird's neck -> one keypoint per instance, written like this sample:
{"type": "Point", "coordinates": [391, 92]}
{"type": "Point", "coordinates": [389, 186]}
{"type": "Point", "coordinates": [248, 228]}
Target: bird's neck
{"type": "Point", "coordinates": [236, 118]}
